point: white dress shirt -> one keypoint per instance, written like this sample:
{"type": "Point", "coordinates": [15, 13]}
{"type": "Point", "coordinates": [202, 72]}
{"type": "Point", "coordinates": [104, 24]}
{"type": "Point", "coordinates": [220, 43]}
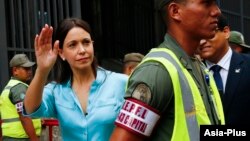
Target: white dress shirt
{"type": "Point", "coordinates": [224, 63]}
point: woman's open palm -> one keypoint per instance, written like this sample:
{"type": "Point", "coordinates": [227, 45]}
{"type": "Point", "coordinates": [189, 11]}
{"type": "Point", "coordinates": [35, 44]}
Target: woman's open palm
{"type": "Point", "coordinates": [46, 55]}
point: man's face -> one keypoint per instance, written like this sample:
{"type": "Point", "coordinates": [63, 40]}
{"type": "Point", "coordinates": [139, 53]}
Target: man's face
{"type": "Point", "coordinates": [200, 17]}
{"type": "Point", "coordinates": [23, 74]}
{"type": "Point", "coordinates": [215, 48]}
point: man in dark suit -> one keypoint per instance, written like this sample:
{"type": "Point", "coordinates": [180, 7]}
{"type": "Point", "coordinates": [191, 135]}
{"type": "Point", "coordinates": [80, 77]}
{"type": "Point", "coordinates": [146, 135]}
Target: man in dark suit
{"type": "Point", "coordinates": [234, 71]}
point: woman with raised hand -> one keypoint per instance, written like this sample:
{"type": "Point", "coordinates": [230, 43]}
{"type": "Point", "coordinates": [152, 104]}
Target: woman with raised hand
{"type": "Point", "coordinates": [84, 98]}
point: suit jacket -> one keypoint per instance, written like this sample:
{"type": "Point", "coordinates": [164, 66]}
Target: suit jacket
{"type": "Point", "coordinates": [236, 99]}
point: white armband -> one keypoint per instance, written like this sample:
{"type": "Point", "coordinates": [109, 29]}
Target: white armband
{"type": "Point", "coordinates": [19, 107]}
{"type": "Point", "coordinates": [137, 117]}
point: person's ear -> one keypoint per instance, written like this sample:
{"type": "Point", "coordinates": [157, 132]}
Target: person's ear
{"type": "Point", "coordinates": [174, 11]}
{"type": "Point", "coordinates": [14, 71]}
{"type": "Point", "coordinates": [60, 52]}
{"type": "Point", "coordinates": [226, 31]}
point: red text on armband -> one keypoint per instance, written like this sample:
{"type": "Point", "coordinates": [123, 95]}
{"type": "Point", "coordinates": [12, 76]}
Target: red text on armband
{"type": "Point", "coordinates": [137, 117]}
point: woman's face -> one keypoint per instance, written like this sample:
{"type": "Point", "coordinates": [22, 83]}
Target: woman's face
{"type": "Point", "coordinates": [78, 49]}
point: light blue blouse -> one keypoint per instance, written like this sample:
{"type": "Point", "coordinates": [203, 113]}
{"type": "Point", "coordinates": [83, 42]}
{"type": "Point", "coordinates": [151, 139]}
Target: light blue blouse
{"type": "Point", "coordinates": [104, 102]}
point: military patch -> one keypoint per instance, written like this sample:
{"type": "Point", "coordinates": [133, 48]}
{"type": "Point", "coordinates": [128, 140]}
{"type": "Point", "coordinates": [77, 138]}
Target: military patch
{"type": "Point", "coordinates": [22, 95]}
{"type": "Point", "coordinates": [142, 92]}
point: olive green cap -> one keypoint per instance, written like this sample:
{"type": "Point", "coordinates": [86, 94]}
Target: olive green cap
{"type": "Point", "coordinates": [21, 60]}
{"type": "Point", "coordinates": [237, 38]}
{"type": "Point", "coordinates": [133, 57]}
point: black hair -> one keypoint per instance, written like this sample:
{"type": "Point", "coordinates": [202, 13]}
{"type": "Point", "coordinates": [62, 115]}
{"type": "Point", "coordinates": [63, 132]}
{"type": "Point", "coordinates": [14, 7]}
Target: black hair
{"type": "Point", "coordinates": [222, 22]}
{"type": "Point", "coordinates": [163, 8]}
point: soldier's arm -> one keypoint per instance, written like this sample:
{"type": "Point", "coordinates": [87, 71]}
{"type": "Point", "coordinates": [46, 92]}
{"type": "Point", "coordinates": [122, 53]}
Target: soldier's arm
{"type": "Point", "coordinates": [17, 94]}
{"type": "Point", "coordinates": [147, 96]}
{"type": "Point", "coordinates": [28, 127]}
{"type": "Point", "coordinates": [120, 134]}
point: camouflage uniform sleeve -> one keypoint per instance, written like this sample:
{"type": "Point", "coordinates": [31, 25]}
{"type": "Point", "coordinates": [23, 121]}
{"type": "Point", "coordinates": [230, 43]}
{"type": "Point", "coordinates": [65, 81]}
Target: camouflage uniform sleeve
{"type": "Point", "coordinates": [151, 84]}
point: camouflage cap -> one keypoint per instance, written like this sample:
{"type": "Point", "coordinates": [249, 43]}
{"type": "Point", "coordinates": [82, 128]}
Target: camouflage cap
{"type": "Point", "coordinates": [237, 38]}
{"type": "Point", "coordinates": [133, 57]}
{"type": "Point", "coordinates": [21, 60]}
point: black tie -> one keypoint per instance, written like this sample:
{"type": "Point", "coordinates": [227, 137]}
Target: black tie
{"type": "Point", "coordinates": [217, 77]}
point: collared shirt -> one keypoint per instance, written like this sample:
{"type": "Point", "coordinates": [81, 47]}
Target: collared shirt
{"type": "Point", "coordinates": [224, 63]}
{"type": "Point", "coordinates": [104, 102]}
{"type": "Point", "coordinates": [158, 81]}
{"type": "Point", "coordinates": [193, 65]}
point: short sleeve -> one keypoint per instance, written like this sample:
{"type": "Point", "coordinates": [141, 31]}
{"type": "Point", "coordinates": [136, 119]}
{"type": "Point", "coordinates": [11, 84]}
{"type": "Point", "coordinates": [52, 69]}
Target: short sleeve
{"type": "Point", "coordinates": [47, 106]}
{"type": "Point", "coordinates": [17, 93]}
{"type": "Point", "coordinates": [151, 84]}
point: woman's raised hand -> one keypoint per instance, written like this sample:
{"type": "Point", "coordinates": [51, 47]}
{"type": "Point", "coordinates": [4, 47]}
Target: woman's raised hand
{"type": "Point", "coordinates": [45, 55]}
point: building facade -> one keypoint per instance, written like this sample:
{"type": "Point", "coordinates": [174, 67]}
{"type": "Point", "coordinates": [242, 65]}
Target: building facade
{"type": "Point", "coordinates": [119, 26]}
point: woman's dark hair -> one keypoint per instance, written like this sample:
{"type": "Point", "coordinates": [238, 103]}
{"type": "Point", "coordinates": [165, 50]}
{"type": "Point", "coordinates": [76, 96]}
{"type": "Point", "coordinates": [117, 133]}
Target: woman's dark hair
{"type": "Point", "coordinates": [62, 71]}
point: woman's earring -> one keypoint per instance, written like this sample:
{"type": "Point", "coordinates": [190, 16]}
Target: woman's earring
{"type": "Point", "coordinates": [63, 59]}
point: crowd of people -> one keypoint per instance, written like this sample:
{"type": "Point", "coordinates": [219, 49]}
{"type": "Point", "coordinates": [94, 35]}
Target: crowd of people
{"type": "Point", "coordinates": [165, 95]}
